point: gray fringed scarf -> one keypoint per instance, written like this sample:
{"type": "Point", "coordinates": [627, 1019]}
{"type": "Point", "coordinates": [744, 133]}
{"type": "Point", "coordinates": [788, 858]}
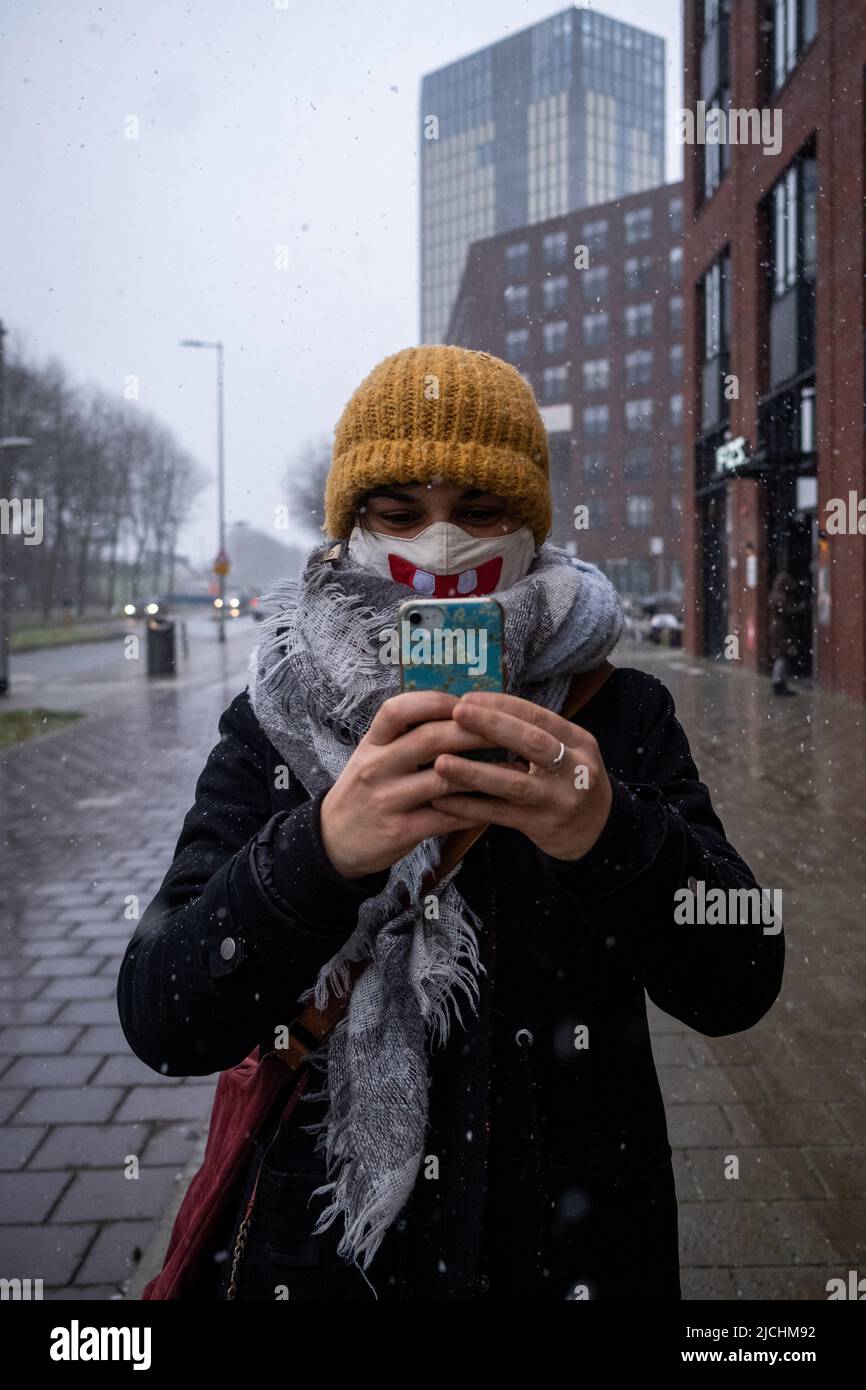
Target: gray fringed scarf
{"type": "Point", "coordinates": [316, 683]}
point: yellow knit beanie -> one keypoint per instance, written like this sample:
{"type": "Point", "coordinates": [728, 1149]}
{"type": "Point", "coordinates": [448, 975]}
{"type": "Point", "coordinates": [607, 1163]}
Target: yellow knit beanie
{"type": "Point", "coordinates": [442, 412]}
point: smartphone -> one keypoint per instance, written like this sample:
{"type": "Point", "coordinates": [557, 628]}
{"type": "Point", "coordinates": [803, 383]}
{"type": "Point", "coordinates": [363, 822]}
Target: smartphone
{"type": "Point", "coordinates": [455, 645]}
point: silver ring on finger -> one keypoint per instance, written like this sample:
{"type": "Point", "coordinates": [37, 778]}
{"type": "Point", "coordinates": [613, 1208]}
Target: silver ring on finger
{"type": "Point", "coordinates": [557, 761]}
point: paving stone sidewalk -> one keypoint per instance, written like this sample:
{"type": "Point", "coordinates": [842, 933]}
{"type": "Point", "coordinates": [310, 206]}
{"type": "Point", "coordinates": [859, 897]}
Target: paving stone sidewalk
{"type": "Point", "coordinates": [90, 815]}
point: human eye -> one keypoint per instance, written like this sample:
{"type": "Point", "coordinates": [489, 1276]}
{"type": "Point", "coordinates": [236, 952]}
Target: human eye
{"type": "Point", "coordinates": [400, 518]}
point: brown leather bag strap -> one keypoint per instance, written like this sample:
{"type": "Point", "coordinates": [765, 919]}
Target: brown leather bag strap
{"type": "Point", "coordinates": [311, 1025]}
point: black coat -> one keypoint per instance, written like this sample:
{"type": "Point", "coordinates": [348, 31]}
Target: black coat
{"type": "Point", "coordinates": [554, 1166]}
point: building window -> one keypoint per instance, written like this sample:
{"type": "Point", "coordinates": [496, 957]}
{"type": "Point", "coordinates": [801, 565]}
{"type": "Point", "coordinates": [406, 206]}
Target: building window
{"type": "Point", "coordinates": [595, 467]}
{"type": "Point", "coordinates": [676, 507]}
{"type": "Point", "coordinates": [675, 265]}
{"type": "Point", "coordinates": [554, 293]}
{"type": "Point", "coordinates": [639, 416]}
{"type": "Point", "coordinates": [555, 248]}
{"type": "Point", "coordinates": [555, 336]}
{"type": "Point", "coordinates": [676, 411]}
{"type": "Point", "coordinates": [595, 330]}
{"type": "Point", "coordinates": [596, 374]}
{"type": "Point", "coordinates": [675, 460]}
{"type": "Point", "coordinates": [795, 24]}
{"type": "Point", "coordinates": [638, 272]}
{"type": "Point", "coordinates": [517, 260]}
{"type": "Point", "coordinates": [555, 386]}
{"type": "Point", "coordinates": [594, 235]}
{"type": "Point", "coordinates": [594, 281]}
{"type": "Point", "coordinates": [639, 321]}
{"type": "Point", "coordinates": [638, 367]}
{"type": "Point", "coordinates": [595, 421]}
{"type": "Point", "coordinates": [793, 248]}
{"type": "Point", "coordinates": [599, 513]}
{"type": "Point", "coordinates": [638, 225]}
{"type": "Point", "coordinates": [516, 301]}
{"type": "Point", "coordinates": [516, 345]}
{"type": "Point", "coordinates": [675, 358]}
{"type": "Point", "coordinates": [675, 313]}
{"type": "Point", "coordinates": [793, 240]}
{"type": "Point", "coordinates": [716, 291]}
{"type": "Point", "coordinates": [638, 512]}
{"type": "Point", "coordinates": [638, 463]}
{"type": "Point", "coordinates": [675, 216]}
{"type": "Point", "coordinates": [715, 90]}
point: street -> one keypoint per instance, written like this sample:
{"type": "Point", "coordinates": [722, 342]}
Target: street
{"type": "Point", "coordinates": [90, 820]}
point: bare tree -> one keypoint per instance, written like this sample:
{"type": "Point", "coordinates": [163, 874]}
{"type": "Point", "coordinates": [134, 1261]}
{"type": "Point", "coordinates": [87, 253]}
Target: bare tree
{"type": "Point", "coordinates": [306, 485]}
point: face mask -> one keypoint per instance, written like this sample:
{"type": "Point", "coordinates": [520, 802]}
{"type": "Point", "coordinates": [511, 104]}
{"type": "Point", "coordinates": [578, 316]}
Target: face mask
{"type": "Point", "coordinates": [444, 561]}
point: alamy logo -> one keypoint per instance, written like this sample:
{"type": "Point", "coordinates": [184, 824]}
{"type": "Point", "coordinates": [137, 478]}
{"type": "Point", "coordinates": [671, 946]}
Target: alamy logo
{"type": "Point", "coordinates": [76, 1343]}
{"type": "Point", "coordinates": [695, 906]}
{"type": "Point", "coordinates": [855, 1289]}
{"type": "Point", "coordinates": [440, 646]}
{"type": "Point", "coordinates": [22, 517]}
{"type": "Point", "coordinates": [22, 1289]}
{"type": "Point", "coordinates": [729, 126]}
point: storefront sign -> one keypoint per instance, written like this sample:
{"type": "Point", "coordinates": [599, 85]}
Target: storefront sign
{"type": "Point", "coordinates": [732, 454]}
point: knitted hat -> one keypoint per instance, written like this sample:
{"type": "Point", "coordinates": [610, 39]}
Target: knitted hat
{"type": "Point", "coordinates": [442, 412]}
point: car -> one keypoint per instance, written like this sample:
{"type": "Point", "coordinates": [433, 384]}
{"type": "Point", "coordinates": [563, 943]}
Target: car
{"type": "Point", "coordinates": [150, 607]}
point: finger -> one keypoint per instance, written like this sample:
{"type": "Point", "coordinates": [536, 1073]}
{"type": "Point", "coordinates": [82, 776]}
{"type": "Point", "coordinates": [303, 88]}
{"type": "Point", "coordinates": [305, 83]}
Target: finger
{"type": "Point", "coordinates": [416, 790]}
{"type": "Point", "coordinates": [535, 741]}
{"type": "Point", "coordinates": [436, 821]}
{"type": "Point", "coordinates": [518, 788]}
{"type": "Point", "coordinates": [399, 712]}
{"type": "Point", "coordinates": [480, 810]}
{"type": "Point", "coordinates": [524, 709]}
{"type": "Point", "coordinates": [421, 745]}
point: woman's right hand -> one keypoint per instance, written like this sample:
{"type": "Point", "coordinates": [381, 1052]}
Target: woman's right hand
{"type": "Point", "coordinates": [378, 809]}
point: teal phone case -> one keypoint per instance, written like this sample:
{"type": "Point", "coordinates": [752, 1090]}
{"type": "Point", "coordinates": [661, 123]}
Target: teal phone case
{"type": "Point", "coordinates": [451, 644]}
{"type": "Point", "coordinates": [471, 658]}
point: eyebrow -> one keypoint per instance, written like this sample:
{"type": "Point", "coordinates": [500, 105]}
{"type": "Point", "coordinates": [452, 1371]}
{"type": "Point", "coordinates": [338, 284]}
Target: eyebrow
{"type": "Point", "coordinates": [402, 496]}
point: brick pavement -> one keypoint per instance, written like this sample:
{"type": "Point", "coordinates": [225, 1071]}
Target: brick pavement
{"type": "Point", "coordinates": [90, 816]}
{"type": "Point", "coordinates": [788, 1097]}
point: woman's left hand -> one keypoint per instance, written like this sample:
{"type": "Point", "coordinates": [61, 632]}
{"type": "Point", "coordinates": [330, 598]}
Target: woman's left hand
{"type": "Point", "coordinates": [564, 810]}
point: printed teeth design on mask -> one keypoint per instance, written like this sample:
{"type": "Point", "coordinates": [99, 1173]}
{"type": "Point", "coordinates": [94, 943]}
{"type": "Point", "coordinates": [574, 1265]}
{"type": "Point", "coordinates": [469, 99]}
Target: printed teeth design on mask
{"type": "Point", "coordinates": [479, 581]}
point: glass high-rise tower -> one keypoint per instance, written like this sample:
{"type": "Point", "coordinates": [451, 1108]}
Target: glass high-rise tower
{"type": "Point", "coordinates": [564, 114]}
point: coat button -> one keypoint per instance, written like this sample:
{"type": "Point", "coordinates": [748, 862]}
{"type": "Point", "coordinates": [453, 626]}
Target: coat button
{"type": "Point", "coordinates": [228, 948]}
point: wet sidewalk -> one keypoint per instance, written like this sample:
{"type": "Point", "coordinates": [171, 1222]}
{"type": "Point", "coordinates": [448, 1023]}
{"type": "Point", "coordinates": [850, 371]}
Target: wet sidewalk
{"type": "Point", "coordinates": [90, 816]}
{"type": "Point", "coordinates": [88, 821]}
{"type": "Point", "coordinates": [788, 1097]}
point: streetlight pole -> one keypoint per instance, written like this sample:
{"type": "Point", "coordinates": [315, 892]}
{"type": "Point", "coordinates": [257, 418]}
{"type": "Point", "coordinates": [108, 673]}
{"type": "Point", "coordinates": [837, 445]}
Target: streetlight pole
{"type": "Point", "coordinates": [221, 479]}
{"type": "Point", "coordinates": [13, 442]}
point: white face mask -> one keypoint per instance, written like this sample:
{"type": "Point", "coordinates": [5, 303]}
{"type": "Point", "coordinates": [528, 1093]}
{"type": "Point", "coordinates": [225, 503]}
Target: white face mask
{"type": "Point", "coordinates": [444, 561]}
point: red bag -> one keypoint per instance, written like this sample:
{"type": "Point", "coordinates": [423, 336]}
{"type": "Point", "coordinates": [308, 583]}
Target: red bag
{"type": "Point", "coordinates": [243, 1098]}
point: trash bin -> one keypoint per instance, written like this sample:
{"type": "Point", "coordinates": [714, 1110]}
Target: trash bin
{"type": "Point", "coordinates": [160, 647]}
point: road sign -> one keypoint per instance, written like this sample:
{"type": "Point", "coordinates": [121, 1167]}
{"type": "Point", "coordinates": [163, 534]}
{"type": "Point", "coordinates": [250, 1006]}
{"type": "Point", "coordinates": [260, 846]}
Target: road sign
{"type": "Point", "coordinates": [221, 564]}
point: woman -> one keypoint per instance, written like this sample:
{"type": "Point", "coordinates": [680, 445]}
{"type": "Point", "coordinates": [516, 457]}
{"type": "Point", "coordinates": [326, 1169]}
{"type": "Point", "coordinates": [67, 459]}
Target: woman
{"type": "Point", "coordinates": [490, 1123]}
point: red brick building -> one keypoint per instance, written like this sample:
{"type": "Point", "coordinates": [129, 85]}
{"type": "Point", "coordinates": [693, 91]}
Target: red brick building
{"type": "Point", "coordinates": [598, 335]}
{"type": "Point", "coordinates": [774, 327]}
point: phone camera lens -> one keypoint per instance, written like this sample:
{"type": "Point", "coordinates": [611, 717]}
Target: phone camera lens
{"type": "Point", "coordinates": [415, 617]}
